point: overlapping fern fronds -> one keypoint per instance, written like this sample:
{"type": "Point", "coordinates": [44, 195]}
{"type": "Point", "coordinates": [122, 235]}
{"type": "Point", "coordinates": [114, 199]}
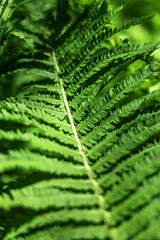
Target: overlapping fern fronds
{"type": "Point", "coordinates": [79, 156]}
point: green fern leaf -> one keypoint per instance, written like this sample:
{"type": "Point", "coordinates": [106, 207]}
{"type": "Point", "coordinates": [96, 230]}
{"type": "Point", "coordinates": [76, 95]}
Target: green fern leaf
{"type": "Point", "coordinates": [79, 150]}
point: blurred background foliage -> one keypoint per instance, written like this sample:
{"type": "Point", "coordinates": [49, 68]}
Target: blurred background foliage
{"type": "Point", "coordinates": [17, 43]}
{"type": "Point", "coordinates": [149, 31]}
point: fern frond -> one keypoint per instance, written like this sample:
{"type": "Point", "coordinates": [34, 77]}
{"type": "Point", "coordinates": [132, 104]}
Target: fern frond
{"type": "Point", "coordinates": [112, 137]}
{"type": "Point", "coordinates": [129, 141]}
{"type": "Point", "coordinates": [110, 99]}
{"type": "Point", "coordinates": [79, 149]}
{"type": "Point", "coordinates": [92, 31]}
{"type": "Point", "coordinates": [96, 40]}
{"type": "Point", "coordinates": [103, 61]}
{"type": "Point", "coordinates": [116, 117]}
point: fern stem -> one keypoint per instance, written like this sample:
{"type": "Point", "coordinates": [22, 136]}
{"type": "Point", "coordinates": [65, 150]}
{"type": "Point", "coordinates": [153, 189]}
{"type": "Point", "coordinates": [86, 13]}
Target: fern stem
{"type": "Point", "coordinates": [106, 214]}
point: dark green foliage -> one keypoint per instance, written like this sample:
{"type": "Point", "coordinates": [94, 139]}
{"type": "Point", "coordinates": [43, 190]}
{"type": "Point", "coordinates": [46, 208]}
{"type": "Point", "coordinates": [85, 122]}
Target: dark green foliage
{"type": "Point", "coordinates": [79, 150]}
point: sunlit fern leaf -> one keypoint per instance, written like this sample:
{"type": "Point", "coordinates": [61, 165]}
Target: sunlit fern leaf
{"type": "Point", "coordinates": [79, 150]}
{"type": "Point", "coordinates": [4, 5]}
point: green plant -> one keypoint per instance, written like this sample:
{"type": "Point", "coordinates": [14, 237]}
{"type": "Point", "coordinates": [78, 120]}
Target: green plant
{"type": "Point", "coordinates": [79, 151]}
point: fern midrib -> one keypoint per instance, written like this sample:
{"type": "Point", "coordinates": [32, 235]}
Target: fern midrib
{"type": "Point", "coordinates": [105, 214]}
